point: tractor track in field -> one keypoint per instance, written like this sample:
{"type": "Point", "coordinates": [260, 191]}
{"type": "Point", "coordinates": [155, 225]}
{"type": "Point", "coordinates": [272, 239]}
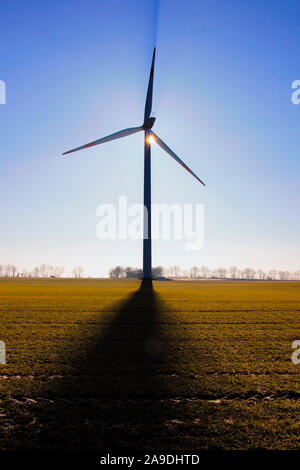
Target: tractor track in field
{"type": "Point", "coordinates": [162, 311]}
{"type": "Point", "coordinates": [127, 323]}
{"type": "Point", "coordinates": [174, 375]}
{"type": "Point", "coordinates": [201, 397]}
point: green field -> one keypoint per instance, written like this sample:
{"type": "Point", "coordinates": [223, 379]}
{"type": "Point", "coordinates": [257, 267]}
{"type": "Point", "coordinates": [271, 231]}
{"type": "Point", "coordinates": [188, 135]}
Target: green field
{"type": "Point", "coordinates": [98, 364]}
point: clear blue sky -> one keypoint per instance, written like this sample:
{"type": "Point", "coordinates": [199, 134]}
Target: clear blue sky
{"type": "Point", "coordinates": [78, 70]}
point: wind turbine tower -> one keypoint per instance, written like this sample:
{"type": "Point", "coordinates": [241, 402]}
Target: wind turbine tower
{"type": "Point", "coordinates": [149, 138]}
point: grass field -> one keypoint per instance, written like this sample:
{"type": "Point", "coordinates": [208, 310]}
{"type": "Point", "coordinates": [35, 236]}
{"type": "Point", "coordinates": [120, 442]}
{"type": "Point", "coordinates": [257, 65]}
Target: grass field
{"type": "Point", "coordinates": [98, 364]}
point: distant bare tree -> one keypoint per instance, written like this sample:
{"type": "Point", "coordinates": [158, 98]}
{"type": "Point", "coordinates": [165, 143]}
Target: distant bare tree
{"type": "Point", "coordinates": [261, 274]}
{"type": "Point", "coordinates": [9, 270]}
{"type": "Point", "coordinates": [204, 271]}
{"type": "Point", "coordinates": [233, 272]}
{"type": "Point", "coordinates": [252, 274]}
{"type": "Point", "coordinates": [272, 274]}
{"type": "Point", "coordinates": [36, 272]}
{"type": "Point", "coordinates": [176, 271]}
{"type": "Point", "coordinates": [117, 272]}
{"type": "Point", "coordinates": [194, 272]}
{"type": "Point", "coordinates": [77, 271]}
{"type": "Point", "coordinates": [221, 273]}
{"type": "Point", "coordinates": [43, 270]}
{"type": "Point", "coordinates": [50, 270]}
{"type": "Point", "coordinates": [284, 275]}
{"type": "Point", "coordinates": [111, 273]}
{"type": "Point", "coordinates": [169, 271]}
{"type": "Point", "coordinates": [80, 271]}
{"type": "Point", "coordinates": [6, 270]}
{"type": "Point", "coordinates": [245, 273]}
{"type": "Point", "coordinates": [157, 271]}
{"type": "Point", "coordinates": [58, 271]}
{"type": "Point", "coordinates": [296, 275]}
{"type": "Point", "coordinates": [185, 274]}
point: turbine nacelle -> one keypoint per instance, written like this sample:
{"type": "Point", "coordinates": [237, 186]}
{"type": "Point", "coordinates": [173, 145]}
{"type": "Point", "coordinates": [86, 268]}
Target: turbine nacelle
{"type": "Point", "coordinates": [150, 123]}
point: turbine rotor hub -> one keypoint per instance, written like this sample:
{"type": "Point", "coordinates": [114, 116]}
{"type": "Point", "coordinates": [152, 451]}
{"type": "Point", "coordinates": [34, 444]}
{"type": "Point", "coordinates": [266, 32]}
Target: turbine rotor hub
{"type": "Point", "coordinates": [150, 123]}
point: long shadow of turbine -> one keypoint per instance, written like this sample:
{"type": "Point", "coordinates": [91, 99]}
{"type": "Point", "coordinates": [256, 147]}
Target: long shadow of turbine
{"type": "Point", "coordinates": [115, 398]}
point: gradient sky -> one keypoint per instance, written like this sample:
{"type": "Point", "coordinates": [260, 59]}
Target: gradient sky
{"type": "Point", "coordinates": [78, 70]}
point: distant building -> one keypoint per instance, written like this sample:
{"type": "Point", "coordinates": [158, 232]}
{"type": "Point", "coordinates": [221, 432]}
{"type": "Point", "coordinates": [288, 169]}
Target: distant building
{"type": "Point", "coordinates": [134, 273]}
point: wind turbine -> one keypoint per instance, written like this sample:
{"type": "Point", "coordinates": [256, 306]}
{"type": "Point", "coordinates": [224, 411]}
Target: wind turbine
{"type": "Point", "coordinates": [149, 138]}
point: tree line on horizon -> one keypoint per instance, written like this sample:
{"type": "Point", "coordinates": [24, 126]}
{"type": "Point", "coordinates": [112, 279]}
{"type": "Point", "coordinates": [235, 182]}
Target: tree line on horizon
{"type": "Point", "coordinates": [44, 270]}
{"type": "Point", "coordinates": [204, 272]}
{"type": "Point", "coordinates": [118, 272]}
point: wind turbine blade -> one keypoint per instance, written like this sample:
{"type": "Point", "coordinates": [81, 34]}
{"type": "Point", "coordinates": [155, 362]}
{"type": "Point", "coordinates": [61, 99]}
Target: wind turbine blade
{"type": "Point", "coordinates": [148, 104]}
{"type": "Point", "coordinates": [173, 155]}
{"type": "Point", "coordinates": [108, 138]}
